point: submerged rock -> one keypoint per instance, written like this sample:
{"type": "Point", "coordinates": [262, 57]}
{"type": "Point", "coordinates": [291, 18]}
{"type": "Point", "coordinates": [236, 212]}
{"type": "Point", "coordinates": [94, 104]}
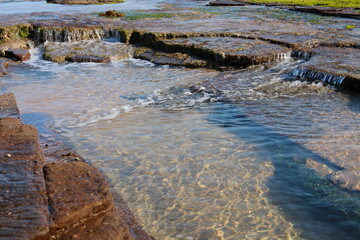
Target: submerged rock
{"type": "Point", "coordinates": [91, 51]}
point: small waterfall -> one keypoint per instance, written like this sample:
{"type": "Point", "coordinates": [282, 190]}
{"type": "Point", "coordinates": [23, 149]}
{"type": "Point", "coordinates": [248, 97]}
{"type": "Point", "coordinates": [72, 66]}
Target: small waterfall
{"type": "Point", "coordinates": [284, 56]}
{"type": "Point", "coordinates": [301, 55]}
{"type": "Point", "coordinates": [69, 35]}
{"type": "Point", "coordinates": [304, 73]}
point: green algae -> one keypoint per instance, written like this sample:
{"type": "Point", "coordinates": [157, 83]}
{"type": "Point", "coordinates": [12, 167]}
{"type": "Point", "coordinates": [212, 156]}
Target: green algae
{"type": "Point", "coordinates": [350, 27]}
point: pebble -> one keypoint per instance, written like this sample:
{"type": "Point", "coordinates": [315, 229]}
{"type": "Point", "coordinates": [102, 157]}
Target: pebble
{"type": "Point", "coordinates": [8, 155]}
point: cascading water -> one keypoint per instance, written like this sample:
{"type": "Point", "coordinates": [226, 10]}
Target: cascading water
{"type": "Point", "coordinates": [305, 73]}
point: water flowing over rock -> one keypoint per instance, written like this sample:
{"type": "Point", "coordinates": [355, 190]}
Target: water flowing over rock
{"type": "Point", "coordinates": [89, 51]}
{"type": "Point", "coordinates": [337, 66]}
{"type": "Point", "coordinates": [68, 34]}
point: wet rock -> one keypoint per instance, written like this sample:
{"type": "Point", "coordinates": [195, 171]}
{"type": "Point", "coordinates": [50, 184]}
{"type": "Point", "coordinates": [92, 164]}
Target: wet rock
{"type": "Point", "coordinates": [337, 66]}
{"type": "Point", "coordinates": [81, 203]}
{"type": "Point", "coordinates": [347, 179]}
{"type": "Point", "coordinates": [8, 106]}
{"type": "Point", "coordinates": [3, 67]}
{"type": "Point", "coordinates": [172, 59]}
{"type": "Point", "coordinates": [83, 2]}
{"type": "Point", "coordinates": [91, 51]}
{"type": "Point", "coordinates": [23, 206]}
{"type": "Point", "coordinates": [228, 51]}
{"type": "Point", "coordinates": [18, 54]}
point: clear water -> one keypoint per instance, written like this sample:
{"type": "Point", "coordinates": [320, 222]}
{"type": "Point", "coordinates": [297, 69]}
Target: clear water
{"type": "Point", "coordinates": [200, 154]}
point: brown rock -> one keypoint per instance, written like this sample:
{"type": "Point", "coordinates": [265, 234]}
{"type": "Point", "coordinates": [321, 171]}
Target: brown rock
{"type": "Point", "coordinates": [81, 203]}
{"type": "Point", "coordinates": [3, 67]}
{"type": "Point", "coordinates": [90, 51]}
{"type": "Point", "coordinates": [8, 106]}
{"type": "Point", "coordinates": [23, 206]}
{"type": "Point", "coordinates": [18, 54]}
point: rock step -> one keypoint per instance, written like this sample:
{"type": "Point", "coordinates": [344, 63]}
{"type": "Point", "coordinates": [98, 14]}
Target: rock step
{"type": "Point", "coordinates": [8, 106]}
{"type": "Point", "coordinates": [89, 51]}
{"type": "Point", "coordinates": [23, 200]}
{"type": "Point", "coordinates": [228, 51]}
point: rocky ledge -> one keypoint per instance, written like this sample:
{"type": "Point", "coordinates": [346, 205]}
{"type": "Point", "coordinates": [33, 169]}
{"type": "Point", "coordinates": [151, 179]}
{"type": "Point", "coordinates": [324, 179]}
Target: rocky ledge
{"type": "Point", "coordinates": [91, 51]}
{"type": "Point", "coordinates": [56, 195]}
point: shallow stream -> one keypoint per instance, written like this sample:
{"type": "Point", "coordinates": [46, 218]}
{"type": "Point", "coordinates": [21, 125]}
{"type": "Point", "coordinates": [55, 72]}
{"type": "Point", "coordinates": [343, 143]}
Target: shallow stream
{"type": "Point", "coordinates": [200, 154]}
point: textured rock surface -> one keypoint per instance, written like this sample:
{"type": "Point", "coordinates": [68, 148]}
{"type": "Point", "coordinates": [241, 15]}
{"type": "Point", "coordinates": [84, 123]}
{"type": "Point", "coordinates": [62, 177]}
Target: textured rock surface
{"type": "Point", "coordinates": [8, 106]}
{"type": "Point", "coordinates": [173, 59]}
{"type": "Point", "coordinates": [23, 206]}
{"type": "Point", "coordinates": [229, 51]}
{"type": "Point", "coordinates": [92, 51]}
{"type": "Point", "coordinates": [81, 203]}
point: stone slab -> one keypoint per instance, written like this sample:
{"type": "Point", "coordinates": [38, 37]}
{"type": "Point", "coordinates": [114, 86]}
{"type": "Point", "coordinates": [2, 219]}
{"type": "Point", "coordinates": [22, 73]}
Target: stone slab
{"type": "Point", "coordinates": [89, 51]}
{"type": "Point", "coordinates": [81, 203]}
{"type": "Point", "coordinates": [8, 106]}
{"type": "Point", "coordinates": [229, 51]}
{"type": "Point", "coordinates": [23, 201]}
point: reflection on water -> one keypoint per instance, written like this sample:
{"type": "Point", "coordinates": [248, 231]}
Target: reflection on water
{"type": "Point", "coordinates": [205, 156]}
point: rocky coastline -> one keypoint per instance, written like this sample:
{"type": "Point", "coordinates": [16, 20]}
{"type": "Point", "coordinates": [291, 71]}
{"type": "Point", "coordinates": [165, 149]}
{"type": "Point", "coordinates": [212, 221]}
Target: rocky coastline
{"type": "Point", "coordinates": [61, 196]}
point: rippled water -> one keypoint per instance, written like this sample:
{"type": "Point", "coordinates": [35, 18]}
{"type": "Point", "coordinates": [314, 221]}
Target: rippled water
{"type": "Point", "coordinates": [205, 155]}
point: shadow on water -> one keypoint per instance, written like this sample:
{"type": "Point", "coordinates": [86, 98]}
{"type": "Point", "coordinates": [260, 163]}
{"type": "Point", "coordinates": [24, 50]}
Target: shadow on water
{"type": "Point", "coordinates": [320, 209]}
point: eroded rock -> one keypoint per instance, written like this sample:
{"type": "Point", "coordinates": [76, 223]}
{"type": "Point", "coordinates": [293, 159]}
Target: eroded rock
{"type": "Point", "coordinates": [90, 51]}
{"type": "Point", "coordinates": [8, 106]}
{"type": "Point", "coordinates": [23, 206]}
